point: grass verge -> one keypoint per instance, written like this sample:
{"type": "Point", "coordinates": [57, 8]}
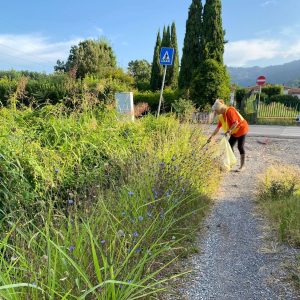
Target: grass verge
{"type": "Point", "coordinates": [93, 207]}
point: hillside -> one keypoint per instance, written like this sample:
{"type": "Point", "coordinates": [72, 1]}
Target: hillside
{"type": "Point", "coordinates": [288, 74]}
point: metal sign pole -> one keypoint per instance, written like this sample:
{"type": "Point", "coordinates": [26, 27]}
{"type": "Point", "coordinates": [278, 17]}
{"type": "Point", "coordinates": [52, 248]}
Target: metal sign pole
{"type": "Point", "coordinates": [162, 89]}
{"type": "Point", "coordinates": [258, 98]}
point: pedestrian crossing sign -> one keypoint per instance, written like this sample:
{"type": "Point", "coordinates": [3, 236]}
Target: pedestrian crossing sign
{"type": "Point", "coordinates": [166, 56]}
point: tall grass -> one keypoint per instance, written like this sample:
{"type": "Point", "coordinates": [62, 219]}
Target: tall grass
{"type": "Point", "coordinates": [96, 208]}
{"type": "Point", "coordinates": [279, 196]}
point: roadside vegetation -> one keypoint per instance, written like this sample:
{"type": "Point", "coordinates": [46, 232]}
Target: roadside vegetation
{"type": "Point", "coordinates": [279, 197]}
{"type": "Point", "coordinates": [93, 207]}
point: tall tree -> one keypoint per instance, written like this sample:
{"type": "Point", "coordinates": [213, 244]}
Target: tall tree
{"type": "Point", "coordinates": [156, 70]}
{"type": "Point", "coordinates": [211, 81]}
{"type": "Point", "coordinates": [173, 71]}
{"type": "Point", "coordinates": [89, 57]}
{"type": "Point", "coordinates": [140, 70]}
{"type": "Point", "coordinates": [213, 33]}
{"type": "Point", "coordinates": [165, 42]}
{"type": "Point", "coordinates": [191, 54]}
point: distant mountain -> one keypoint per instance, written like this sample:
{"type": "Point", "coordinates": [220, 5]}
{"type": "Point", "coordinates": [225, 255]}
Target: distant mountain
{"type": "Point", "coordinates": [288, 74]}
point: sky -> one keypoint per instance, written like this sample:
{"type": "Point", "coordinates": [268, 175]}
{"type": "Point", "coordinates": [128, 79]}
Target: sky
{"type": "Point", "coordinates": [34, 34]}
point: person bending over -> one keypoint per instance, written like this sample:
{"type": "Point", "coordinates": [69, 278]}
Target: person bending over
{"type": "Point", "coordinates": [233, 125]}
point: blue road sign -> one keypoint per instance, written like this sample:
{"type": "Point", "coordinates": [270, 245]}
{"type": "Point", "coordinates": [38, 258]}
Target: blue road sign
{"type": "Point", "coordinates": [166, 56]}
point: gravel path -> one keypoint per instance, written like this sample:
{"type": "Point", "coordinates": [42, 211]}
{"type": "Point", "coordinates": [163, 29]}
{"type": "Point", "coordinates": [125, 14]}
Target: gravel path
{"type": "Point", "coordinates": [240, 258]}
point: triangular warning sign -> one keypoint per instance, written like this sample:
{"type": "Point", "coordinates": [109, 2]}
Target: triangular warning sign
{"type": "Point", "coordinates": [166, 57]}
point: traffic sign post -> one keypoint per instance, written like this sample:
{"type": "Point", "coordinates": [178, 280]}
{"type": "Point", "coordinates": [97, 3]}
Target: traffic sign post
{"type": "Point", "coordinates": [261, 80]}
{"type": "Point", "coordinates": [166, 59]}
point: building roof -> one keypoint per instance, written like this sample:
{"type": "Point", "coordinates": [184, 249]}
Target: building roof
{"type": "Point", "coordinates": [294, 91]}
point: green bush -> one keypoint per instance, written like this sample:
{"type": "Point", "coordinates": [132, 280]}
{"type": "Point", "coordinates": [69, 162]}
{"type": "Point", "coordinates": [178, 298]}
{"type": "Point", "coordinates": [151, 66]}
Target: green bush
{"type": "Point", "coordinates": [184, 109]}
{"type": "Point", "coordinates": [264, 97]}
{"type": "Point", "coordinates": [279, 196]}
{"type": "Point", "coordinates": [240, 94]}
{"type": "Point", "coordinates": [275, 90]}
{"type": "Point", "coordinates": [60, 87]}
{"type": "Point", "coordinates": [152, 98]}
{"type": "Point", "coordinates": [288, 100]}
{"type": "Point", "coordinates": [94, 207]}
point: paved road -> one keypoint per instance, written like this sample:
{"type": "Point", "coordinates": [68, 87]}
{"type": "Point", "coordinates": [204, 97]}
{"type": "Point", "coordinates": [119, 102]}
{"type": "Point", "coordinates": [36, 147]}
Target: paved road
{"type": "Point", "coordinates": [275, 131]}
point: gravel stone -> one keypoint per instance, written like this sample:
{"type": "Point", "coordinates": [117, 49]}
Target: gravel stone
{"type": "Point", "coordinates": [240, 257]}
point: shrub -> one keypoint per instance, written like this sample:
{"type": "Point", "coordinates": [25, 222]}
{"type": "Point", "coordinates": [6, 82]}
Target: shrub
{"type": "Point", "coordinates": [94, 207]}
{"type": "Point", "coordinates": [279, 182]}
{"type": "Point", "coordinates": [279, 196]}
{"type": "Point", "coordinates": [275, 90]}
{"type": "Point", "coordinates": [141, 108]}
{"type": "Point", "coordinates": [152, 98]}
{"type": "Point", "coordinates": [184, 109]}
{"type": "Point", "coordinates": [285, 99]}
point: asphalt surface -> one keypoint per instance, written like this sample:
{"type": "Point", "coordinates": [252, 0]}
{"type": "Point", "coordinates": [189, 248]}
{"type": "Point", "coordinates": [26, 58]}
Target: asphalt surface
{"type": "Point", "coordinates": [274, 131]}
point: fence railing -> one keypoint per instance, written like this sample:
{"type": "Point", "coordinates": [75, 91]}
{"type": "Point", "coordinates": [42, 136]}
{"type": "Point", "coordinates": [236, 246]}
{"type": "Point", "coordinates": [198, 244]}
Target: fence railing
{"type": "Point", "coordinates": [203, 117]}
{"type": "Point", "coordinates": [275, 111]}
{"type": "Point", "coordinates": [278, 110]}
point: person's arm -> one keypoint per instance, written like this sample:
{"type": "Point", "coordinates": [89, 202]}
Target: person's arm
{"type": "Point", "coordinates": [216, 131]}
{"type": "Point", "coordinates": [234, 126]}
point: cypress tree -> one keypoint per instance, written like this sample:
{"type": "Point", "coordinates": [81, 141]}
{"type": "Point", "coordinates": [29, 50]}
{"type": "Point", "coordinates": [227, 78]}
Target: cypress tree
{"type": "Point", "coordinates": [213, 33]}
{"type": "Point", "coordinates": [173, 71]}
{"type": "Point", "coordinates": [156, 70]}
{"type": "Point", "coordinates": [166, 37]}
{"type": "Point", "coordinates": [191, 54]}
{"type": "Point", "coordinates": [211, 80]}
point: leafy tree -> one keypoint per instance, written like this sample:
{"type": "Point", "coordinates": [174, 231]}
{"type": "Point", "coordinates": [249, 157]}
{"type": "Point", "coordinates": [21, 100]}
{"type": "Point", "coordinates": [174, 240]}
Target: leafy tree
{"type": "Point", "coordinates": [213, 33]}
{"type": "Point", "coordinates": [140, 70]}
{"type": "Point", "coordinates": [191, 56]}
{"type": "Point", "coordinates": [89, 57]}
{"type": "Point", "coordinates": [156, 70]}
{"type": "Point", "coordinates": [211, 82]}
{"type": "Point", "coordinates": [60, 66]}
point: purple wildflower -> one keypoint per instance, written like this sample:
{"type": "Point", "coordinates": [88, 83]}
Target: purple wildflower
{"type": "Point", "coordinates": [102, 242]}
{"type": "Point", "coordinates": [130, 194]}
{"type": "Point", "coordinates": [71, 248]}
{"type": "Point", "coordinates": [138, 250]}
{"type": "Point", "coordinates": [141, 218]}
{"type": "Point", "coordinates": [136, 234]}
{"type": "Point", "coordinates": [70, 201]}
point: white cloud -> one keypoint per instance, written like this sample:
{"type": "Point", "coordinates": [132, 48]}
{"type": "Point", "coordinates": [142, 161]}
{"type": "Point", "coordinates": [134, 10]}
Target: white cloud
{"type": "Point", "coordinates": [248, 52]}
{"type": "Point", "coordinates": [31, 50]}
{"type": "Point", "coordinates": [240, 53]}
{"type": "Point", "coordinates": [268, 2]}
{"type": "Point", "coordinates": [100, 30]}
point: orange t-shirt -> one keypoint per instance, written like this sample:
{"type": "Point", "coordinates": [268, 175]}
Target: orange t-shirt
{"type": "Point", "coordinates": [232, 116]}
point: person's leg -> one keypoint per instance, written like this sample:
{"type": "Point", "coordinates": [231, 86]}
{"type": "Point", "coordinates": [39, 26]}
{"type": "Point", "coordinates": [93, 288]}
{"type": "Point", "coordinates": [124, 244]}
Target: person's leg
{"type": "Point", "coordinates": [241, 147]}
{"type": "Point", "coordinates": [232, 141]}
